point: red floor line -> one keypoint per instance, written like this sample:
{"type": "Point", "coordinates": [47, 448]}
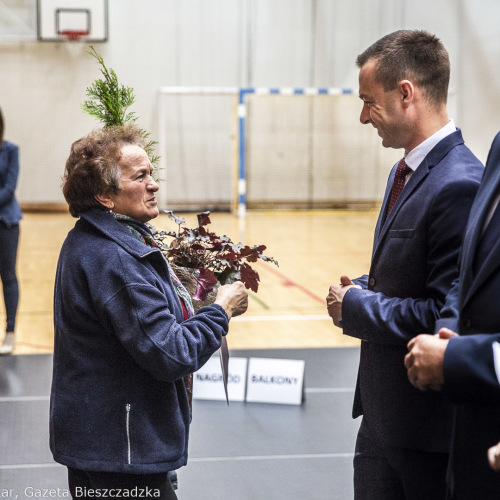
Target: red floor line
{"type": "Point", "coordinates": [289, 282]}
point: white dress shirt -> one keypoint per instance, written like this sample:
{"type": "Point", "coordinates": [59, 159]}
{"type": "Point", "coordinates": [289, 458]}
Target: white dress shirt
{"type": "Point", "coordinates": [415, 157]}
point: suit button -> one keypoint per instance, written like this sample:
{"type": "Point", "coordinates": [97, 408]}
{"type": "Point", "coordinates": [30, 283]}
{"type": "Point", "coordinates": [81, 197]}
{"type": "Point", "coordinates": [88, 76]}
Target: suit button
{"type": "Point", "coordinates": [372, 281]}
{"type": "Point", "coordinates": [466, 323]}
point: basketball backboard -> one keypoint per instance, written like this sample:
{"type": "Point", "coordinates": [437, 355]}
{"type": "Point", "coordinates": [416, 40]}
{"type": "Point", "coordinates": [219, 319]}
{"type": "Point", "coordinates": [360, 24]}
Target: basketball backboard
{"type": "Point", "coordinates": [82, 20]}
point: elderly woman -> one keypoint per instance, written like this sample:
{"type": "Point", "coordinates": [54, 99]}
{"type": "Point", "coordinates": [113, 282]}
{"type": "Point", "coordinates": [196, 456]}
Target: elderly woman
{"type": "Point", "coordinates": [126, 337]}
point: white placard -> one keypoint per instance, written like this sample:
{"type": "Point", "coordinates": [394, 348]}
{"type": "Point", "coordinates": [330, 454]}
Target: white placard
{"type": "Point", "coordinates": [275, 381]}
{"type": "Point", "coordinates": [208, 384]}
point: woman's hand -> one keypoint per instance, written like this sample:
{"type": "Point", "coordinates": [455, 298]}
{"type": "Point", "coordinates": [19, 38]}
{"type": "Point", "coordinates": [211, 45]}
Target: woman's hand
{"type": "Point", "coordinates": [233, 298]}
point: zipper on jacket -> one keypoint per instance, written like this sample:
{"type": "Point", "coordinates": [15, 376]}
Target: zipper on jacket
{"type": "Point", "coordinates": [127, 424]}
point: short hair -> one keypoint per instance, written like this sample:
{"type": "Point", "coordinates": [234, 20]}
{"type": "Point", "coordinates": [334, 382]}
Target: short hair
{"type": "Point", "coordinates": [413, 55]}
{"type": "Point", "coordinates": [93, 166]}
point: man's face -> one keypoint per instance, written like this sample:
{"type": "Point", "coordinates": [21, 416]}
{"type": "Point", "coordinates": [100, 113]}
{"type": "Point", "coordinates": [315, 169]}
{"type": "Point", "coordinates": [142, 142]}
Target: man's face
{"type": "Point", "coordinates": [381, 108]}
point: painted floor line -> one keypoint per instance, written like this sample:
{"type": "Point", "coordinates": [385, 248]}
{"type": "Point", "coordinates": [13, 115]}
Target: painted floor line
{"type": "Point", "coordinates": [29, 466]}
{"type": "Point", "coordinates": [313, 390]}
{"type": "Point", "coordinates": [289, 282]}
{"type": "Point", "coordinates": [274, 457]}
{"type": "Point", "coordinates": [14, 399]}
{"type": "Point", "coordinates": [208, 459]}
{"type": "Point", "coordinates": [313, 317]}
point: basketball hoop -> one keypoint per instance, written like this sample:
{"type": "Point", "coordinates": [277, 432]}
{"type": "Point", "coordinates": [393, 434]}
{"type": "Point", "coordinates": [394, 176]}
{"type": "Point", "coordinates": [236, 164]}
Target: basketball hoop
{"type": "Point", "coordinates": [74, 35]}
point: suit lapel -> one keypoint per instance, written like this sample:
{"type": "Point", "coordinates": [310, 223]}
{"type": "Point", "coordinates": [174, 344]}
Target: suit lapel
{"type": "Point", "coordinates": [416, 178]}
{"type": "Point", "coordinates": [383, 227]}
{"type": "Point", "coordinates": [440, 150]}
{"type": "Point", "coordinates": [469, 282]}
{"type": "Point", "coordinates": [383, 210]}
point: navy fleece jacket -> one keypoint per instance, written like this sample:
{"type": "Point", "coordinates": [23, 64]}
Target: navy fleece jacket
{"type": "Point", "coordinates": [118, 400]}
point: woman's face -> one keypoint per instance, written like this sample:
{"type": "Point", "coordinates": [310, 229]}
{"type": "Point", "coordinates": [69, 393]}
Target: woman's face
{"type": "Point", "coordinates": [137, 196]}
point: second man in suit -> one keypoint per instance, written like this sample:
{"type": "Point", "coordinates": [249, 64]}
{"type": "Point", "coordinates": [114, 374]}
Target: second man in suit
{"type": "Point", "coordinates": [404, 436]}
{"type": "Point", "coordinates": [467, 367]}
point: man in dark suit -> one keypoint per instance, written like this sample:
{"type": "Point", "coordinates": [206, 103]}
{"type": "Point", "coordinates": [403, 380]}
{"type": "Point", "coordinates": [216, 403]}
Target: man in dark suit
{"type": "Point", "coordinates": [466, 367]}
{"type": "Point", "coordinates": [404, 436]}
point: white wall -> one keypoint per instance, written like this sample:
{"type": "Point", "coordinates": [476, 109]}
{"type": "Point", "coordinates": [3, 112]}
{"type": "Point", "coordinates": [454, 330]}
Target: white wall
{"type": "Point", "coordinates": [155, 43]}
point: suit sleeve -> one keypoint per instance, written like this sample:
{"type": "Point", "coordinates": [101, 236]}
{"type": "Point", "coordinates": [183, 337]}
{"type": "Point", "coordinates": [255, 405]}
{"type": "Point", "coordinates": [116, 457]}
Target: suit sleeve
{"type": "Point", "coordinates": [148, 330]}
{"type": "Point", "coordinates": [141, 316]}
{"type": "Point", "coordinates": [469, 369]}
{"type": "Point", "coordinates": [362, 281]}
{"type": "Point", "coordinates": [449, 313]}
{"type": "Point", "coordinates": [378, 318]}
{"type": "Point", "coordinates": [8, 189]}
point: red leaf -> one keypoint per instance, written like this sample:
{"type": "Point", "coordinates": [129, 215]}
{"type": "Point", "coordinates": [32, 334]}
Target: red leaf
{"type": "Point", "coordinates": [250, 277]}
{"type": "Point", "coordinates": [253, 255]}
{"type": "Point", "coordinates": [205, 283]}
{"type": "Point", "coordinates": [203, 219]}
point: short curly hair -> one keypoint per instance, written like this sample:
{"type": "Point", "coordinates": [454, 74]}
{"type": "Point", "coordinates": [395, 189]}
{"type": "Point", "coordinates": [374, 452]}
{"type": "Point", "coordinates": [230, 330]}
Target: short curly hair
{"type": "Point", "coordinates": [93, 166]}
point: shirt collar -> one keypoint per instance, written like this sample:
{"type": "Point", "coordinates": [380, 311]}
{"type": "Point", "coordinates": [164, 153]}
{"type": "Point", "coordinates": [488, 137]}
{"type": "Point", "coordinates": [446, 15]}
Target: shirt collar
{"type": "Point", "coordinates": [415, 157]}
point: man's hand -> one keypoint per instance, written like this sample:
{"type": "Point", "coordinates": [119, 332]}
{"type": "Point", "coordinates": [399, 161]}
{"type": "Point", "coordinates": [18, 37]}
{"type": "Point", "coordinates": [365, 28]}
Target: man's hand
{"type": "Point", "coordinates": [446, 333]}
{"type": "Point", "coordinates": [494, 457]}
{"type": "Point", "coordinates": [335, 298]}
{"type": "Point", "coordinates": [424, 362]}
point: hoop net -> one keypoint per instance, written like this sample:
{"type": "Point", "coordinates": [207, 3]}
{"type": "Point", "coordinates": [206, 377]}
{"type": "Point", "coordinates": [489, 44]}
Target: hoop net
{"type": "Point", "coordinates": [74, 35]}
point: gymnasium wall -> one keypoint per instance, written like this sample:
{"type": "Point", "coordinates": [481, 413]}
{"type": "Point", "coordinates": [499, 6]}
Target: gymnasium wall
{"type": "Point", "coordinates": [241, 43]}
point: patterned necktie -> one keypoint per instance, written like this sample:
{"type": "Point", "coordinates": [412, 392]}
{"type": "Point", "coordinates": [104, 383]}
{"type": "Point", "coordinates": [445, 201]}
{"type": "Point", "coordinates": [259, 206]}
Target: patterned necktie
{"type": "Point", "coordinates": [399, 183]}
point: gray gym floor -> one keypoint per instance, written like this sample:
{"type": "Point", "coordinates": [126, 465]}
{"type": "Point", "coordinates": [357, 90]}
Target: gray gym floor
{"type": "Point", "coordinates": [247, 451]}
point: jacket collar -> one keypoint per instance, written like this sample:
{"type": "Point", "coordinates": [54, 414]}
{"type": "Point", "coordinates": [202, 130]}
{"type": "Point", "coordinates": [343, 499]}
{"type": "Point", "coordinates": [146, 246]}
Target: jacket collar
{"type": "Point", "coordinates": [104, 222]}
{"type": "Point", "coordinates": [438, 152]}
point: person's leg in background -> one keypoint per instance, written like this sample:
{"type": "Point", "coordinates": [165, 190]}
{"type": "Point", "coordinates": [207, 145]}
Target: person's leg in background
{"type": "Point", "coordinates": [9, 240]}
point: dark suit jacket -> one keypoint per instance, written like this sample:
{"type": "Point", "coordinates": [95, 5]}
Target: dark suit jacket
{"type": "Point", "coordinates": [414, 263]}
{"type": "Point", "coordinates": [473, 310]}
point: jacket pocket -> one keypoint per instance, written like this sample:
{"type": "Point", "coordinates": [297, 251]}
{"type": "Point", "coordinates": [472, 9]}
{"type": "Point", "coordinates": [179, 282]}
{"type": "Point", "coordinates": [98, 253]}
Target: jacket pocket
{"type": "Point", "coordinates": [401, 233]}
{"type": "Point", "coordinates": [127, 429]}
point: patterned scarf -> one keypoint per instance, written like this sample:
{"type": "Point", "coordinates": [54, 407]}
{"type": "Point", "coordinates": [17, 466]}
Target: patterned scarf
{"type": "Point", "coordinates": [145, 232]}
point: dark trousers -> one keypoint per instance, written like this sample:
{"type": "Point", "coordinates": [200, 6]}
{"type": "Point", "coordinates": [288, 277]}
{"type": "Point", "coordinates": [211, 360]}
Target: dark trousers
{"type": "Point", "coordinates": [391, 473]}
{"type": "Point", "coordinates": [9, 239]}
{"type": "Point", "coordinates": [89, 484]}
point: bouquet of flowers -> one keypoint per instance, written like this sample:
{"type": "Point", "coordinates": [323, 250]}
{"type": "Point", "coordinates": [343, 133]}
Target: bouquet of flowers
{"type": "Point", "coordinates": [212, 259]}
